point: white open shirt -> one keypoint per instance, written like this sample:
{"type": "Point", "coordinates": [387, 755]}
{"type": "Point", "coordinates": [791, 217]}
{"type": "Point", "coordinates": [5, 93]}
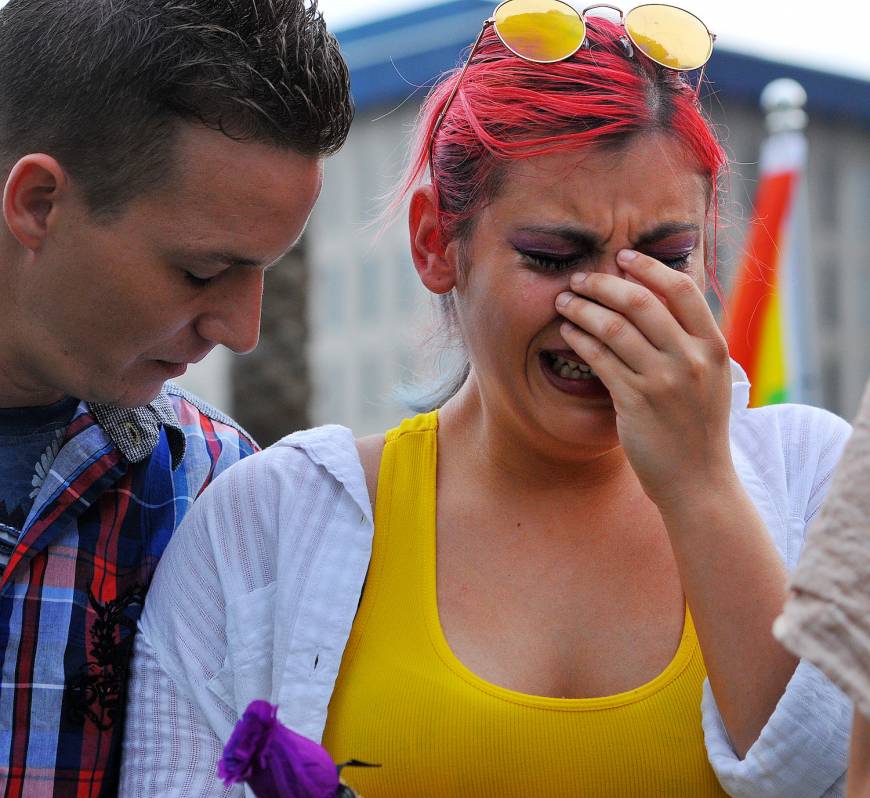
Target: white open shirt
{"type": "Point", "coordinates": [257, 591]}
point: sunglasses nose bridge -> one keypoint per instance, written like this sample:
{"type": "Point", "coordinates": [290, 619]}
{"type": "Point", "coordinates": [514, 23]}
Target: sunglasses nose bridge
{"type": "Point", "coordinates": [619, 11]}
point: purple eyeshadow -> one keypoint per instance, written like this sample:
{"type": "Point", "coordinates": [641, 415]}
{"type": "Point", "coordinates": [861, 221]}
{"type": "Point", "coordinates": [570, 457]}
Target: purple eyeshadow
{"type": "Point", "coordinates": [671, 247]}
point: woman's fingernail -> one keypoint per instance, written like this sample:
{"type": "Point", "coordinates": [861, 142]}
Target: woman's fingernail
{"type": "Point", "coordinates": [579, 278]}
{"type": "Point", "coordinates": [626, 255]}
{"type": "Point", "coordinates": [564, 299]}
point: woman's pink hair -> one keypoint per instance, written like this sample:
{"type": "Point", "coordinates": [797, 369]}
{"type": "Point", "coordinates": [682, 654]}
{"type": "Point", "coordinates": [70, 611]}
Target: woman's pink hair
{"type": "Point", "coordinates": [507, 109]}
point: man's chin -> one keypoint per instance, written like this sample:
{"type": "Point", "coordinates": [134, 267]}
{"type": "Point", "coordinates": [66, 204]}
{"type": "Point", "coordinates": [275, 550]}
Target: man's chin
{"type": "Point", "coordinates": [132, 384]}
{"type": "Point", "coordinates": [127, 395]}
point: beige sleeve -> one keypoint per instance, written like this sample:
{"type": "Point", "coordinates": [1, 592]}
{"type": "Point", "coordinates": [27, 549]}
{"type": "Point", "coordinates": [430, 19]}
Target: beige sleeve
{"type": "Point", "coordinates": [827, 618]}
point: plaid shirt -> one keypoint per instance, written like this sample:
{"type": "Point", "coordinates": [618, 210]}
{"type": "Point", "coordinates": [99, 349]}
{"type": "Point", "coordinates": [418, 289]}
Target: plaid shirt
{"type": "Point", "coordinates": [73, 590]}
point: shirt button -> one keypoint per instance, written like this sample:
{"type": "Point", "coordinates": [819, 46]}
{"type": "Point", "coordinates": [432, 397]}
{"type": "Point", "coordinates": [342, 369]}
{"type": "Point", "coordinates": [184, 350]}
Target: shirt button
{"type": "Point", "coordinates": [133, 433]}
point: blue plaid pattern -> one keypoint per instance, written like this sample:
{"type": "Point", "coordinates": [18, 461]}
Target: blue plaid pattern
{"type": "Point", "coordinates": [75, 583]}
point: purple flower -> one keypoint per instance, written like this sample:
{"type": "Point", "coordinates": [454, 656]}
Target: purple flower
{"type": "Point", "coordinates": [275, 761]}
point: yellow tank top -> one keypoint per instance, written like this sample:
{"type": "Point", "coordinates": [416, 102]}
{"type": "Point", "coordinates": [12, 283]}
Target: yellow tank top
{"type": "Point", "coordinates": [402, 699]}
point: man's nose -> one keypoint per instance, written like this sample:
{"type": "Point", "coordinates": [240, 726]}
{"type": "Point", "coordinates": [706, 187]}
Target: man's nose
{"type": "Point", "coordinates": [232, 317]}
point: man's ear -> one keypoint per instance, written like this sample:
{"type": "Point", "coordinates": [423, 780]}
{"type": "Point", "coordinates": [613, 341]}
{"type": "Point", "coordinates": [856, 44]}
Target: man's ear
{"type": "Point", "coordinates": [434, 264]}
{"type": "Point", "coordinates": [31, 192]}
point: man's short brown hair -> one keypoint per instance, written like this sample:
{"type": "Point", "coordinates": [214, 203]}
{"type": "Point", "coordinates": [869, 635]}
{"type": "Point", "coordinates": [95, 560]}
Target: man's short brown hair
{"type": "Point", "coordinates": [101, 85]}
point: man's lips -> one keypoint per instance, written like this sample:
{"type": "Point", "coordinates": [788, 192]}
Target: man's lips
{"type": "Point", "coordinates": [172, 368]}
{"type": "Point", "coordinates": [183, 361]}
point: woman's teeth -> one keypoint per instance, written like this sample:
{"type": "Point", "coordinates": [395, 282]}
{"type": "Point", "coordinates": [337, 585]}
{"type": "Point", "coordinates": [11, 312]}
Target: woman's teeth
{"type": "Point", "coordinates": [571, 370]}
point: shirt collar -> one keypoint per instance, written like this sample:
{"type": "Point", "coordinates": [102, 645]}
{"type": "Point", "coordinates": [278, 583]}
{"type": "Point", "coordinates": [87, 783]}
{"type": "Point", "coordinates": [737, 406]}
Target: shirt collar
{"type": "Point", "coordinates": [136, 430]}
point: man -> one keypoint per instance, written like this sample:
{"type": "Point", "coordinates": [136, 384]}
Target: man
{"type": "Point", "coordinates": [158, 156]}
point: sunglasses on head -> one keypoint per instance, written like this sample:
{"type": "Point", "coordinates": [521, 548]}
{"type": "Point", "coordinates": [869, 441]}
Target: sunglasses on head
{"type": "Point", "coordinates": [548, 31]}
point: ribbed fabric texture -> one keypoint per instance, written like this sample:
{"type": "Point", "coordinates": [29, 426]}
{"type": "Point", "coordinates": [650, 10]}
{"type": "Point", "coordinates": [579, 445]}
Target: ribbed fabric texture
{"type": "Point", "coordinates": [403, 700]}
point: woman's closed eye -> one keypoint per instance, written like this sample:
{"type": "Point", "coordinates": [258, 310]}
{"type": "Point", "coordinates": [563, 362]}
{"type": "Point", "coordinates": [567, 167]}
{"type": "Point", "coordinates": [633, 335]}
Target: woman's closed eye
{"type": "Point", "coordinates": [679, 261]}
{"type": "Point", "coordinates": [675, 251]}
{"type": "Point", "coordinates": [551, 262]}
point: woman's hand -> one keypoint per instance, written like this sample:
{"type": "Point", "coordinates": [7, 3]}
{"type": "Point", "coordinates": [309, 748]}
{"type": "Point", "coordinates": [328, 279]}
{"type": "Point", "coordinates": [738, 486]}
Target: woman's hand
{"type": "Point", "coordinates": [656, 346]}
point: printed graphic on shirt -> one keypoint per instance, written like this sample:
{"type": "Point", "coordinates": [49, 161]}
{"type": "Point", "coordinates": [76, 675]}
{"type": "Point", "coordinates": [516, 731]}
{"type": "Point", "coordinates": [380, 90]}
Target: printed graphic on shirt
{"type": "Point", "coordinates": [43, 465]}
{"type": "Point", "coordinates": [20, 481]}
{"type": "Point", "coordinates": [99, 689]}
{"type": "Point", "coordinates": [30, 439]}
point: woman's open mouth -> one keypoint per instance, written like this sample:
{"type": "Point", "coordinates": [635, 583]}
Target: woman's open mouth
{"type": "Point", "coordinates": [569, 369]}
{"type": "Point", "coordinates": [571, 374]}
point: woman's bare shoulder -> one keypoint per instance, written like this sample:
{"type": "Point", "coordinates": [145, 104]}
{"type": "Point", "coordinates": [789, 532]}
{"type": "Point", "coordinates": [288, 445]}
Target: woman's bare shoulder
{"type": "Point", "coordinates": [370, 450]}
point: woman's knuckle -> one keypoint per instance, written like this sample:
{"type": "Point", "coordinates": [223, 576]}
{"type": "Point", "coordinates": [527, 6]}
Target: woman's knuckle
{"type": "Point", "coordinates": [697, 366]}
{"type": "Point", "coordinates": [613, 328]}
{"type": "Point", "coordinates": [667, 383]}
{"type": "Point", "coordinates": [684, 285]}
{"type": "Point", "coordinates": [718, 347]}
{"type": "Point", "coordinates": [640, 300]}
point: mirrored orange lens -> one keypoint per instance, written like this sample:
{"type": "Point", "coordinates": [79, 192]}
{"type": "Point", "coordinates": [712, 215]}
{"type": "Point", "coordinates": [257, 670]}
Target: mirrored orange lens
{"type": "Point", "coordinates": [670, 36]}
{"type": "Point", "coordinates": [539, 30]}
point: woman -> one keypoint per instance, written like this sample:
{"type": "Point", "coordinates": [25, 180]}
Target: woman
{"type": "Point", "coordinates": [511, 595]}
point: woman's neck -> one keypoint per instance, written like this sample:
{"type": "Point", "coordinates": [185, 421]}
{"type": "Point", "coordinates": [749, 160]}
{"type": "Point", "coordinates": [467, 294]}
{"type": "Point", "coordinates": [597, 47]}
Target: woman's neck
{"type": "Point", "coordinates": [503, 454]}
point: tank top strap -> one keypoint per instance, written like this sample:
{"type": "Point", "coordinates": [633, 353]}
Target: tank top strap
{"type": "Point", "coordinates": [404, 543]}
{"type": "Point", "coordinates": [406, 481]}
{"type": "Point", "coordinates": [423, 423]}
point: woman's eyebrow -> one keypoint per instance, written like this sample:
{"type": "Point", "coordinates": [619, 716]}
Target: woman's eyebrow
{"type": "Point", "coordinates": [584, 238]}
{"type": "Point", "coordinates": [666, 230]}
{"type": "Point", "coordinates": [579, 236]}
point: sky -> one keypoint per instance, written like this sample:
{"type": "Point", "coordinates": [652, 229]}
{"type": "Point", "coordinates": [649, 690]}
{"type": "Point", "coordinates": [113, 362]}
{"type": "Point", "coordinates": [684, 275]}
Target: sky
{"type": "Point", "coordinates": [794, 31]}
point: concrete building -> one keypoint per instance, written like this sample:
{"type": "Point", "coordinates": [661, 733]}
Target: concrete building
{"type": "Point", "coordinates": [367, 324]}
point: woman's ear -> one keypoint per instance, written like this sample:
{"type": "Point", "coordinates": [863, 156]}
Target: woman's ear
{"type": "Point", "coordinates": [435, 263]}
{"type": "Point", "coordinates": [31, 192]}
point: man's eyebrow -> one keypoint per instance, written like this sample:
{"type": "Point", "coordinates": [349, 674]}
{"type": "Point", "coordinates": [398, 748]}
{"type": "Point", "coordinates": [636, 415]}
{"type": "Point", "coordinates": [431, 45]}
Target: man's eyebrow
{"type": "Point", "coordinates": [666, 230]}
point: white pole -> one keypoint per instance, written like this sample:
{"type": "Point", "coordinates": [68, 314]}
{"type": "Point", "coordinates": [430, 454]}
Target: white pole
{"type": "Point", "coordinates": [785, 148]}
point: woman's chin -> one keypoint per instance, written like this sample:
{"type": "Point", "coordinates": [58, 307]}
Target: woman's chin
{"type": "Point", "coordinates": [581, 422]}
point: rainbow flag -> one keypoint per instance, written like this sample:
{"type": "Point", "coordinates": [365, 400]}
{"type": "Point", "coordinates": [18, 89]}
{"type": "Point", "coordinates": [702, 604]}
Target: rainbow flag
{"type": "Point", "coordinates": [766, 321]}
